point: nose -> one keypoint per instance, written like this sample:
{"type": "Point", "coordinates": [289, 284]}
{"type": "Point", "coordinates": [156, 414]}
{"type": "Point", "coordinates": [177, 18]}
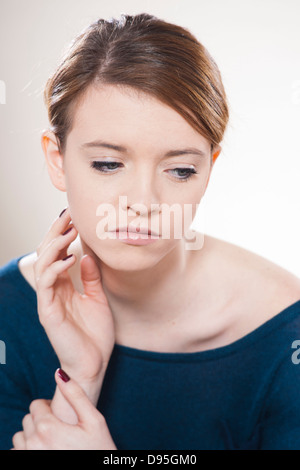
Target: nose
{"type": "Point", "coordinates": [142, 197]}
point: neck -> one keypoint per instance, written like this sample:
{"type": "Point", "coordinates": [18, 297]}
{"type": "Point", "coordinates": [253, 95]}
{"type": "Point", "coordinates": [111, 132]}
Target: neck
{"type": "Point", "coordinates": [147, 295]}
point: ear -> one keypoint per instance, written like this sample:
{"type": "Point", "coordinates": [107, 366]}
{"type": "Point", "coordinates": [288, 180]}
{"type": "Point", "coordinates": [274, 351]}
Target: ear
{"type": "Point", "coordinates": [216, 150]}
{"type": "Point", "coordinates": [54, 159]}
{"type": "Point", "coordinates": [215, 153]}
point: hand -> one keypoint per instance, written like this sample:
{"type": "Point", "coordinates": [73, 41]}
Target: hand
{"type": "Point", "coordinates": [42, 430]}
{"type": "Point", "coordinates": [79, 326]}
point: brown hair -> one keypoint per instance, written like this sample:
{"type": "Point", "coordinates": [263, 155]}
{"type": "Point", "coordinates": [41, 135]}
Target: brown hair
{"type": "Point", "coordinates": [148, 54]}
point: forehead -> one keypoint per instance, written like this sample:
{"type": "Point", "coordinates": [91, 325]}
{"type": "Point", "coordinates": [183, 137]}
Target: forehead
{"type": "Point", "coordinates": [114, 112]}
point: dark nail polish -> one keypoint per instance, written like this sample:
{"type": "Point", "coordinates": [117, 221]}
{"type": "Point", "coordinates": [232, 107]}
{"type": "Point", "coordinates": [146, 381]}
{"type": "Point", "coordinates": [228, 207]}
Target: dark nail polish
{"type": "Point", "coordinates": [63, 375]}
{"type": "Point", "coordinates": [62, 212]}
{"type": "Point", "coordinates": [67, 257]}
{"type": "Point", "coordinates": [67, 231]}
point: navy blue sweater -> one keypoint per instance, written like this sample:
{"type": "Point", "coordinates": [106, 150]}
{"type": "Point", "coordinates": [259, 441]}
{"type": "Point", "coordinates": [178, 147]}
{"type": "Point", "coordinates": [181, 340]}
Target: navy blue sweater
{"type": "Point", "coordinates": [245, 395]}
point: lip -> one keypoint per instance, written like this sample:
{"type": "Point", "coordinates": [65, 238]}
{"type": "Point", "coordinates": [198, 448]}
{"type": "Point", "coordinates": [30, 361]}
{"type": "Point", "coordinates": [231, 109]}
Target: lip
{"type": "Point", "coordinates": [132, 237]}
{"type": "Point", "coordinates": [136, 231]}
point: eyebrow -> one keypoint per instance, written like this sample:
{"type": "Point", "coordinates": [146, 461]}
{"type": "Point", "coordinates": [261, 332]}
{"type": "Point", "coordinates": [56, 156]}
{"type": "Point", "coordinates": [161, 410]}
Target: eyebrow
{"type": "Point", "coordinates": [120, 148]}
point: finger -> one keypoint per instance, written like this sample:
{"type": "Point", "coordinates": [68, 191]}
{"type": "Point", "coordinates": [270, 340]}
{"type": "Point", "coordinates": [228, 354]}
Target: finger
{"type": "Point", "coordinates": [53, 251]}
{"type": "Point", "coordinates": [51, 274]}
{"type": "Point", "coordinates": [75, 395]}
{"type": "Point", "coordinates": [39, 409]}
{"type": "Point", "coordinates": [48, 269]}
{"type": "Point", "coordinates": [91, 277]}
{"type": "Point", "coordinates": [18, 441]}
{"type": "Point", "coordinates": [59, 225]}
{"type": "Point", "coordinates": [46, 292]}
{"type": "Point", "coordinates": [28, 426]}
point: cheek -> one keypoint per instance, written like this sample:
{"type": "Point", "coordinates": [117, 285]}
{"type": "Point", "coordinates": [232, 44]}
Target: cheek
{"type": "Point", "coordinates": [83, 197]}
{"type": "Point", "coordinates": [83, 209]}
{"type": "Point", "coordinates": [189, 211]}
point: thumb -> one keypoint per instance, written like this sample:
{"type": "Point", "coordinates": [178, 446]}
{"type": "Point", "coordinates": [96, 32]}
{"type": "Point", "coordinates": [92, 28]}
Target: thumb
{"type": "Point", "coordinates": [90, 277]}
{"type": "Point", "coordinates": [75, 396]}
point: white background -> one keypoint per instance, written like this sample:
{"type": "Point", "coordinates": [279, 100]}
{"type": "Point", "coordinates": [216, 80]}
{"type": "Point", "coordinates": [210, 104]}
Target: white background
{"type": "Point", "coordinates": [253, 198]}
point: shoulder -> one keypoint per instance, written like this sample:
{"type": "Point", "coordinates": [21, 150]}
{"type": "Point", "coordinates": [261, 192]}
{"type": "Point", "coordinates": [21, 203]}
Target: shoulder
{"type": "Point", "coordinates": [16, 296]}
{"type": "Point", "coordinates": [20, 328]}
{"type": "Point", "coordinates": [253, 273]}
{"type": "Point", "coordinates": [8, 278]}
{"type": "Point", "coordinates": [26, 268]}
{"type": "Point", "coordinates": [258, 289]}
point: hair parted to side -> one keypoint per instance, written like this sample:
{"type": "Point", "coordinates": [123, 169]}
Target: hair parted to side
{"type": "Point", "coordinates": [148, 54]}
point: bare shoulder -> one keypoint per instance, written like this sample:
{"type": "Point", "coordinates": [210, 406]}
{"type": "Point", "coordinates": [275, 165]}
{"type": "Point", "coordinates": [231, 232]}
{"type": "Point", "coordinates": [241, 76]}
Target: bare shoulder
{"type": "Point", "coordinates": [25, 265]}
{"type": "Point", "coordinates": [259, 288]}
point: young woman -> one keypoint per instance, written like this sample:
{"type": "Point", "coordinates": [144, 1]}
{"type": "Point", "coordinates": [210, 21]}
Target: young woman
{"type": "Point", "coordinates": [155, 345]}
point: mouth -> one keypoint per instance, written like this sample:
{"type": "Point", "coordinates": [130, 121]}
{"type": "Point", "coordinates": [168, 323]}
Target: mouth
{"type": "Point", "coordinates": [136, 231]}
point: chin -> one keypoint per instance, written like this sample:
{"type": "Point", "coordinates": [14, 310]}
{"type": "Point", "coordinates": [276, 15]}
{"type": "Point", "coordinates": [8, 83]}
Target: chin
{"type": "Point", "coordinates": [131, 257]}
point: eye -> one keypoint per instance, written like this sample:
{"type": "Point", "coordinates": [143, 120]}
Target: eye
{"type": "Point", "coordinates": [99, 166]}
{"type": "Point", "coordinates": [184, 174]}
{"type": "Point", "coordinates": [187, 173]}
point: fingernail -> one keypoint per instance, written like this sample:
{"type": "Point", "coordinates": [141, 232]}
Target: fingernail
{"type": "Point", "coordinates": [63, 375]}
{"type": "Point", "coordinates": [67, 231]}
{"type": "Point", "coordinates": [62, 212]}
{"type": "Point", "coordinates": [67, 257]}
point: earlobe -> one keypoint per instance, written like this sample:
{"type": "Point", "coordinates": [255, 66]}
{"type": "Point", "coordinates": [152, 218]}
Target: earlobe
{"type": "Point", "coordinates": [54, 159]}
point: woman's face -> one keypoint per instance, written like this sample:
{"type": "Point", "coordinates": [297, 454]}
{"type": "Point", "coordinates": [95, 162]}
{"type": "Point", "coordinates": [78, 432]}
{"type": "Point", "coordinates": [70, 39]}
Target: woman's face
{"type": "Point", "coordinates": [145, 170]}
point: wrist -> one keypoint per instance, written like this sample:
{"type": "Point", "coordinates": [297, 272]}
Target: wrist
{"type": "Point", "coordinates": [91, 385]}
{"type": "Point", "coordinates": [92, 389]}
